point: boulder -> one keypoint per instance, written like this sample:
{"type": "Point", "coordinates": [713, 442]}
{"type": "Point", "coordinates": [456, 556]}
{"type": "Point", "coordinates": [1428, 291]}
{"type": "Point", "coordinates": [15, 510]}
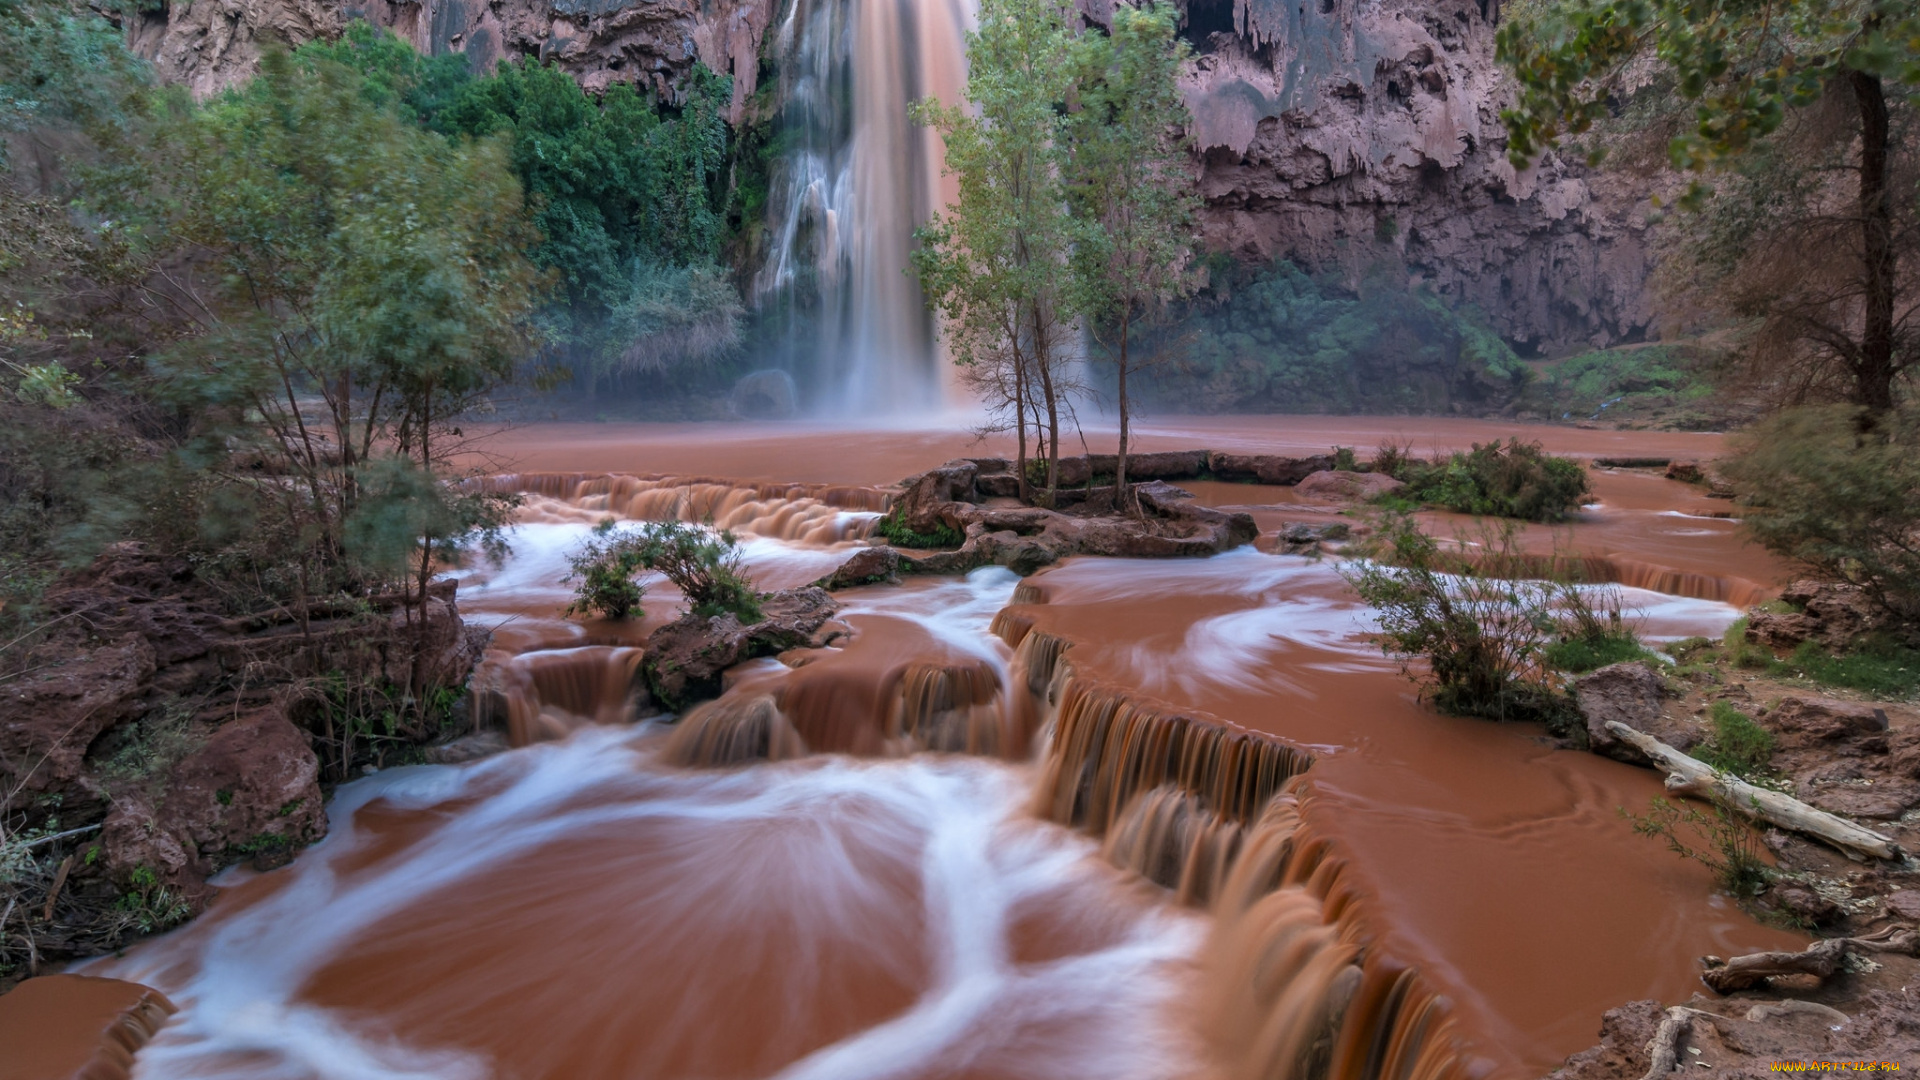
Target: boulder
{"type": "Point", "coordinates": [1904, 904]}
{"type": "Point", "coordinates": [251, 790]}
{"type": "Point", "coordinates": [936, 497]}
{"type": "Point", "coordinates": [1266, 468]}
{"type": "Point", "coordinates": [1808, 720]}
{"type": "Point", "coordinates": [1340, 485]}
{"type": "Point", "coordinates": [1808, 906]}
{"type": "Point", "coordinates": [1305, 538]}
{"type": "Point", "coordinates": [686, 657]}
{"type": "Point", "coordinates": [1634, 694]}
{"type": "Point", "coordinates": [48, 718]}
{"type": "Point", "coordinates": [1687, 472]}
{"type": "Point", "coordinates": [868, 566]}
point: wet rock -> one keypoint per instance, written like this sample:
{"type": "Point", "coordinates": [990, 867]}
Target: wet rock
{"type": "Point", "coordinates": [1340, 485]}
{"type": "Point", "coordinates": [1160, 492]}
{"type": "Point", "coordinates": [686, 657]}
{"type": "Point", "coordinates": [1634, 694]}
{"type": "Point", "coordinates": [1266, 468]}
{"type": "Point", "coordinates": [869, 566]}
{"type": "Point", "coordinates": [1804, 720]}
{"type": "Point", "coordinates": [1687, 472]}
{"type": "Point", "coordinates": [480, 744]}
{"type": "Point", "coordinates": [1625, 1034]}
{"type": "Point", "coordinates": [936, 498]}
{"type": "Point", "coordinates": [763, 395]}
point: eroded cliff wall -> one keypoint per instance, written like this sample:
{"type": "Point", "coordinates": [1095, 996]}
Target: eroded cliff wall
{"type": "Point", "coordinates": [1360, 137]}
{"type": "Point", "coordinates": [1363, 136]}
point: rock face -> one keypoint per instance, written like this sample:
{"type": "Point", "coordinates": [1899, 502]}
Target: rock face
{"type": "Point", "coordinates": [1355, 137]}
{"type": "Point", "coordinates": [652, 43]}
{"type": "Point", "coordinates": [686, 657]}
{"type": "Point", "coordinates": [1364, 136]}
{"type": "Point", "coordinates": [182, 739]}
{"type": "Point", "coordinates": [1830, 614]}
{"type": "Point", "coordinates": [1633, 694]}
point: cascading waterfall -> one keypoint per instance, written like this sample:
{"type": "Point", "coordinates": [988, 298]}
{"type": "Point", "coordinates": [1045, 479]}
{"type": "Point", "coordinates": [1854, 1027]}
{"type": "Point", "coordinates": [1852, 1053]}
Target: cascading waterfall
{"type": "Point", "coordinates": [857, 179]}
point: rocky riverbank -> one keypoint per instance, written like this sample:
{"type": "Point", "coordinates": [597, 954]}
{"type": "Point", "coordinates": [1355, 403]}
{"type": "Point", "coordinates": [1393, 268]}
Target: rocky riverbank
{"type": "Point", "coordinates": [149, 738]}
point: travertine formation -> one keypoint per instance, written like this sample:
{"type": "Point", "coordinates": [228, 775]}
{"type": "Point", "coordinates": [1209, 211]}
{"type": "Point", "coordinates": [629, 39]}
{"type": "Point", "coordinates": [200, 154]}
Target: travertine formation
{"type": "Point", "coordinates": [1360, 137]}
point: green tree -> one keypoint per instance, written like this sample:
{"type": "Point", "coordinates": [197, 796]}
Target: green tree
{"type": "Point", "coordinates": [1743, 67]}
{"type": "Point", "coordinates": [1127, 184]}
{"type": "Point", "coordinates": [995, 264]}
{"type": "Point", "coordinates": [351, 285]}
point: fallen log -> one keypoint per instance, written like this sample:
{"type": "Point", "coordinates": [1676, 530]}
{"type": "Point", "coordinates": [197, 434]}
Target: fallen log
{"type": "Point", "coordinates": [1666, 1041]}
{"type": "Point", "coordinates": [1690, 776]}
{"type": "Point", "coordinates": [1820, 959]}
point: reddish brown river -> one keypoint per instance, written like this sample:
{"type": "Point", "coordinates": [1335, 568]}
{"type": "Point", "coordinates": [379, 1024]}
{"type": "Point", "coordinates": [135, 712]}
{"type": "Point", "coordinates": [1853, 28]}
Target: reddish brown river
{"type": "Point", "coordinates": [1349, 884]}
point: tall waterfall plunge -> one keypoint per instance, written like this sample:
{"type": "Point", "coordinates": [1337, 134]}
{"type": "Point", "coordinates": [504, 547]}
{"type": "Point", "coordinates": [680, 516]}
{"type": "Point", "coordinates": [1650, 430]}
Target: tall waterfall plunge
{"type": "Point", "coordinates": [854, 181]}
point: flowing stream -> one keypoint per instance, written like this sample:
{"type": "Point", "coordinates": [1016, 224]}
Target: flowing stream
{"type": "Point", "coordinates": [1122, 818]}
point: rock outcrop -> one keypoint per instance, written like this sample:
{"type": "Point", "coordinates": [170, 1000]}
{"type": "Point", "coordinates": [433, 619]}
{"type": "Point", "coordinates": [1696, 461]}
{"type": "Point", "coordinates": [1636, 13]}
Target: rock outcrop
{"type": "Point", "coordinates": [170, 738]}
{"type": "Point", "coordinates": [1634, 694]}
{"type": "Point", "coordinates": [652, 43]}
{"type": "Point", "coordinates": [1362, 136]}
{"type": "Point", "coordinates": [951, 500]}
{"type": "Point", "coordinates": [686, 657]}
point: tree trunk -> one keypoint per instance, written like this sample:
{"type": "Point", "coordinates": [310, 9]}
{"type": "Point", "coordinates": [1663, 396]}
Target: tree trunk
{"type": "Point", "coordinates": [1120, 500]}
{"type": "Point", "coordinates": [1690, 776]}
{"type": "Point", "coordinates": [1875, 372]}
{"type": "Point", "coordinates": [1043, 362]}
{"type": "Point", "coordinates": [1020, 425]}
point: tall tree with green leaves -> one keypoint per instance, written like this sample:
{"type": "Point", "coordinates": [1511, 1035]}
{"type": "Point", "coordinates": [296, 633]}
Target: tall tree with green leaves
{"type": "Point", "coordinates": [1744, 67]}
{"type": "Point", "coordinates": [1127, 185]}
{"type": "Point", "coordinates": [995, 264]}
{"type": "Point", "coordinates": [348, 285]}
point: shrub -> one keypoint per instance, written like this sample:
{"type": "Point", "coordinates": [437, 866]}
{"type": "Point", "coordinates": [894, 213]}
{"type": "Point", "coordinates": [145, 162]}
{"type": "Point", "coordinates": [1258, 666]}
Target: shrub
{"type": "Point", "coordinates": [1731, 852]}
{"type": "Point", "coordinates": [1737, 744]}
{"type": "Point", "coordinates": [1511, 479]}
{"type": "Point", "coordinates": [1881, 666]}
{"type": "Point", "coordinates": [1824, 489]}
{"type": "Point", "coordinates": [898, 533]}
{"type": "Point", "coordinates": [1482, 636]}
{"type": "Point", "coordinates": [604, 568]}
{"type": "Point", "coordinates": [703, 564]}
{"type": "Point", "coordinates": [1592, 637]}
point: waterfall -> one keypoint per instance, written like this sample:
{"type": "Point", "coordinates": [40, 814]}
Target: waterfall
{"type": "Point", "coordinates": [855, 179]}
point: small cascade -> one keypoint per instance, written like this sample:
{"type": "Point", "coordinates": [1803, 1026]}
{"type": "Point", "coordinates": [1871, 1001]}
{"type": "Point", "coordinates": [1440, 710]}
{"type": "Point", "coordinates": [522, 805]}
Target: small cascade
{"type": "Point", "coordinates": [857, 180]}
{"type": "Point", "coordinates": [1633, 573]}
{"type": "Point", "coordinates": [547, 694]}
{"type": "Point", "coordinates": [1293, 988]}
{"type": "Point", "coordinates": [734, 730]}
{"type": "Point", "coordinates": [811, 514]}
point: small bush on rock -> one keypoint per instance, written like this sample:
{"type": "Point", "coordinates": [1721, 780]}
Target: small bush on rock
{"type": "Point", "coordinates": [898, 533]}
{"type": "Point", "coordinates": [1737, 745]}
{"type": "Point", "coordinates": [1511, 479]}
{"type": "Point", "coordinates": [703, 564]}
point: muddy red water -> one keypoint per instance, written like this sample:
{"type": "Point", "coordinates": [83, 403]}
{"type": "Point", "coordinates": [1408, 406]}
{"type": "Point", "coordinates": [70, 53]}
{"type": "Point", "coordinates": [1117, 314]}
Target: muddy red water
{"type": "Point", "coordinates": [586, 907]}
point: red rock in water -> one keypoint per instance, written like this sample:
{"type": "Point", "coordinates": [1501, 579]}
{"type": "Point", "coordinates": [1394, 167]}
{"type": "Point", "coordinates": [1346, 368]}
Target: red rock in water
{"type": "Point", "coordinates": [1339, 485]}
{"type": "Point", "coordinates": [77, 1027]}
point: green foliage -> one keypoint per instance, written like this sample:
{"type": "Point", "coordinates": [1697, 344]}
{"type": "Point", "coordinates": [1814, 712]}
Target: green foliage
{"type": "Point", "coordinates": [627, 198]}
{"type": "Point", "coordinates": [1731, 850]}
{"type": "Point", "coordinates": [1840, 500]}
{"type": "Point", "coordinates": [703, 564]}
{"type": "Point", "coordinates": [604, 567]}
{"type": "Point", "coordinates": [1511, 479]}
{"type": "Point", "coordinates": [1613, 381]}
{"type": "Point", "coordinates": [897, 532]}
{"type": "Point", "coordinates": [1737, 745]}
{"type": "Point", "coordinates": [994, 265]}
{"type": "Point", "coordinates": [1482, 635]}
{"type": "Point", "coordinates": [1741, 64]}
{"type": "Point", "coordinates": [1289, 341]}
{"type": "Point", "coordinates": [63, 66]}
{"type": "Point", "coordinates": [1579, 654]}
{"type": "Point", "coordinates": [150, 906]}
{"type": "Point", "coordinates": [1881, 666]}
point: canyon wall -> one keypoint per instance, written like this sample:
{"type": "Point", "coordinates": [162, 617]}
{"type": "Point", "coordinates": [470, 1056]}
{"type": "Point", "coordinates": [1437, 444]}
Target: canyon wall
{"type": "Point", "coordinates": [1360, 137]}
{"type": "Point", "coordinates": [1364, 137]}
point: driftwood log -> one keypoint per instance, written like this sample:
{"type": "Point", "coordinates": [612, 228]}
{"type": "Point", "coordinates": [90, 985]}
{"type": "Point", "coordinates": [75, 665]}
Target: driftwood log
{"type": "Point", "coordinates": [1690, 776]}
{"type": "Point", "coordinates": [1820, 959]}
